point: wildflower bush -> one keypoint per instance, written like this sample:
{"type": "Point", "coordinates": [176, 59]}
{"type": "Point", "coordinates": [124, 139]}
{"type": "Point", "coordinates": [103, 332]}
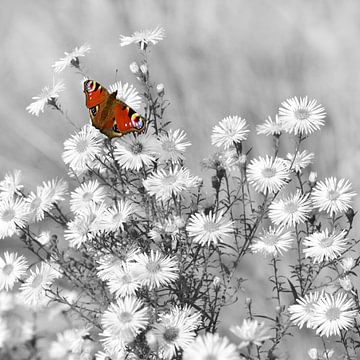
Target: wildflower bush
{"type": "Point", "coordinates": [129, 258]}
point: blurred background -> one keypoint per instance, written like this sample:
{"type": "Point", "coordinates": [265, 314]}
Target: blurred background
{"type": "Point", "coordinates": [219, 58]}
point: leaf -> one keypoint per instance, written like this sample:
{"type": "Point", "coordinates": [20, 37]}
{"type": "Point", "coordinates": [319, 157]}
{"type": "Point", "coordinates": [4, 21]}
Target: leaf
{"type": "Point", "coordinates": [293, 290]}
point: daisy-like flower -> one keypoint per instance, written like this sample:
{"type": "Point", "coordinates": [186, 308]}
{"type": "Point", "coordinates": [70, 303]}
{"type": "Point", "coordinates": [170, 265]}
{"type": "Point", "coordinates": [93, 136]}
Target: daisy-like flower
{"type": "Point", "coordinates": [47, 96]}
{"type": "Point", "coordinates": [333, 313]}
{"type": "Point", "coordinates": [232, 129]}
{"type": "Point", "coordinates": [126, 93]}
{"type": "Point", "coordinates": [10, 185]}
{"type": "Point", "coordinates": [175, 330]}
{"type": "Point", "coordinates": [70, 341]}
{"type": "Point", "coordinates": [122, 355]}
{"type": "Point", "coordinates": [155, 270]}
{"type": "Point", "coordinates": [85, 225]}
{"type": "Point", "coordinates": [301, 160]}
{"type": "Point", "coordinates": [44, 237]}
{"type": "Point", "coordinates": [13, 214]}
{"type": "Point", "coordinates": [71, 58]}
{"type": "Point", "coordinates": [110, 264]}
{"type": "Point", "coordinates": [173, 145]}
{"type": "Point", "coordinates": [290, 211]}
{"type": "Point", "coordinates": [274, 241]}
{"type": "Point", "coordinates": [143, 37]}
{"type": "Point", "coordinates": [332, 196]}
{"type": "Point", "coordinates": [81, 148]}
{"type": "Point", "coordinates": [123, 281]}
{"type": "Point", "coordinates": [134, 153]}
{"type": "Point", "coordinates": [33, 290]}
{"type": "Point", "coordinates": [251, 332]}
{"type": "Point", "coordinates": [268, 174]}
{"type": "Point", "coordinates": [322, 246]}
{"type": "Point", "coordinates": [85, 194]}
{"type": "Point", "coordinates": [56, 189]}
{"type": "Point", "coordinates": [301, 116]}
{"type": "Point", "coordinates": [211, 346]}
{"type": "Point", "coordinates": [39, 203]}
{"type": "Point", "coordinates": [12, 268]}
{"type": "Point", "coordinates": [302, 313]}
{"type": "Point", "coordinates": [270, 127]}
{"type": "Point", "coordinates": [116, 216]}
{"type": "Point", "coordinates": [165, 184]}
{"type": "Point", "coordinates": [209, 229]}
{"type": "Point", "coordinates": [122, 321]}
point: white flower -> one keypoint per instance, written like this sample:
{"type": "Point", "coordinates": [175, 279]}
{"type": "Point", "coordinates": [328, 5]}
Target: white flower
{"type": "Point", "coordinates": [123, 281]}
{"type": "Point", "coordinates": [301, 161]}
{"type": "Point", "coordinates": [211, 346]}
{"type": "Point", "coordinates": [173, 145]}
{"type": "Point", "coordinates": [116, 216]}
{"type": "Point", "coordinates": [12, 268]}
{"type": "Point", "coordinates": [333, 313]}
{"type": "Point", "coordinates": [33, 290]}
{"type": "Point", "coordinates": [175, 330]}
{"type": "Point", "coordinates": [273, 241]}
{"type": "Point", "coordinates": [302, 313]}
{"type": "Point", "coordinates": [332, 196]}
{"type": "Point", "coordinates": [86, 194]}
{"type": "Point", "coordinates": [47, 95]}
{"type": "Point", "coordinates": [321, 246]}
{"type": "Point", "coordinates": [56, 189]}
{"type": "Point", "coordinates": [10, 185]}
{"type": "Point", "coordinates": [290, 211]}
{"type": "Point", "coordinates": [230, 130]}
{"type": "Point", "coordinates": [122, 321]}
{"type": "Point", "coordinates": [270, 127]}
{"type": "Point", "coordinates": [71, 58]}
{"type": "Point", "coordinates": [268, 174]}
{"type": "Point", "coordinates": [13, 214]}
{"type": "Point", "coordinates": [44, 237]}
{"type": "Point", "coordinates": [347, 263]}
{"type": "Point", "coordinates": [143, 37]}
{"type": "Point", "coordinates": [301, 116]}
{"type": "Point", "coordinates": [126, 93]}
{"type": "Point", "coordinates": [81, 149]}
{"type": "Point", "coordinates": [345, 283]}
{"type": "Point", "coordinates": [251, 332]}
{"type": "Point", "coordinates": [164, 185]}
{"type": "Point", "coordinates": [133, 153]}
{"type": "Point", "coordinates": [209, 229]}
{"type": "Point", "coordinates": [155, 270]}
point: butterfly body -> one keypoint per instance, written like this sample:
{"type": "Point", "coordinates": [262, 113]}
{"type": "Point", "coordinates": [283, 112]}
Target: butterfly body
{"type": "Point", "coordinates": [110, 115]}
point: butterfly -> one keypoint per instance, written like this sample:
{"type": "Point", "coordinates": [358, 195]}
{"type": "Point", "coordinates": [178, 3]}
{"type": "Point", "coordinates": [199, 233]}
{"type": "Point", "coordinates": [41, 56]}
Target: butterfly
{"type": "Point", "coordinates": [108, 114]}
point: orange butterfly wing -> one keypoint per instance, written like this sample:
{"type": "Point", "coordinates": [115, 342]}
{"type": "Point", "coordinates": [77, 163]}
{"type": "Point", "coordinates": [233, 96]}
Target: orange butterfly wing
{"type": "Point", "coordinates": [111, 116]}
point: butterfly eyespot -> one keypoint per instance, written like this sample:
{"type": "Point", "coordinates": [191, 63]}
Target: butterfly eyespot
{"type": "Point", "coordinates": [115, 129]}
{"type": "Point", "coordinates": [94, 110]}
{"type": "Point", "coordinates": [89, 85]}
{"type": "Point", "coordinates": [136, 121]}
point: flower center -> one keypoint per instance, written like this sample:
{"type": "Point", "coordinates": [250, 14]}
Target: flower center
{"type": "Point", "coordinates": [302, 114]}
{"type": "Point", "coordinates": [271, 240]}
{"type": "Point", "coordinates": [126, 279]}
{"type": "Point", "coordinates": [170, 180]}
{"type": "Point", "coordinates": [8, 215]}
{"type": "Point", "coordinates": [333, 195]}
{"type": "Point", "coordinates": [125, 317]}
{"type": "Point", "coordinates": [210, 227]}
{"type": "Point", "coordinates": [333, 313]}
{"type": "Point", "coordinates": [7, 269]}
{"type": "Point", "coordinates": [291, 207]}
{"type": "Point", "coordinates": [87, 196]}
{"type": "Point", "coordinates": [268, 172]}
{"type": "Point", "coordinates": [326, 242]}
{"type": "Point", "coordinates": [170, 334]}
{"type": "Point", "coordinates": [35, 204]}
{"type": "Point", "coordinates": [153, 267]}
{"type": "Point", "coordinates": [136, 148]}
{"type": "Point", "coordinates": [210, 357]}
{"type": "Point", "coordinates": [38, 279]}
{"type": "Point", "coordinates": [168, 146]}
{"type": "Point", "coordinates": [309, 308]}
{"type": "Point", "coordinates": [81, 146]}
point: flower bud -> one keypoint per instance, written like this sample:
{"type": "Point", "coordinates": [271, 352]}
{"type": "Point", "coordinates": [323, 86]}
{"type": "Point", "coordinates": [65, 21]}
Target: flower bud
{"type": "Point", "coordinates": [347, 264]}
{"type": "Point", "coordinates": [216, 282]}
{"type": "Point", "coordinates": [345, 283]}
{"type": "Point", "coordinates": [160, 89]}
{"type": "Point", "coordinates": [134, 67]}
{"type": "Point", "coordinates": [179, 222]}
{"type": "Point", "coordinates": [144, 69]}
{"type": "Point", "coordinates": [248, 301]}
{"type": "Point", "coordinates": [215, 182]}
{"type": "Point", "coordinates": [312, 178]}
{"type": "Point", "coordinates": [313, 353]}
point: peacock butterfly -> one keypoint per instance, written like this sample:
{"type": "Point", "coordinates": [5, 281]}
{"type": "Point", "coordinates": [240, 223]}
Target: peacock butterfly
{"type": "Point", "coordinates": [108, 114]}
